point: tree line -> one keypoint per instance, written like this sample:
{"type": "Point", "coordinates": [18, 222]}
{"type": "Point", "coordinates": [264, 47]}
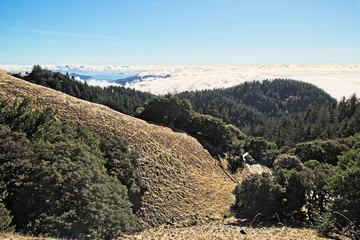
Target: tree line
{"type": "Point", "coordinates": [215, 134]}
{"type": "Point", "coordinates": [125, 100]}
{"type": "Point", "coordinates": [335, 120]}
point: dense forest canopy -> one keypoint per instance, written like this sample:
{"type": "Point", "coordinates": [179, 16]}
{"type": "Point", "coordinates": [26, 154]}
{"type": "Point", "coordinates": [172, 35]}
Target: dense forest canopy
{"type": "Point", "coordinates": [61, 179]}
{"type": "Point", "coordinates": [256, 102]}
{"type": "Point", "coordinates": [324, 122]}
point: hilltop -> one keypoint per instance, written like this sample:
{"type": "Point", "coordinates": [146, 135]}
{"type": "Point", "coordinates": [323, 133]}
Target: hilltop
{"type": "Point", "coordinates": [185, 184]}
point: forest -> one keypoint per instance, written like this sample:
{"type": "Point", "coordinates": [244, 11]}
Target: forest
{"type": "Point", "coordinates": [309, 140]}
{"type": "Point", "coordinates": [254, 103]}
{"type": "Point", "coordinates": [335, 120]}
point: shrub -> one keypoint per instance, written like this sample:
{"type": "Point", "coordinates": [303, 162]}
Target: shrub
{"type": "Point", "coordinates": [320, 150]}
{"type": "Point", "coordinates": [288, 162]}
{"type": "Point", "coordinates": [5, 218]}
{"type": "Point", "coordinates": [345, 190]}
{"type": "Point", "coordinates": [262, 150]}
{"type": "Point", "coordinates": [258, 194]}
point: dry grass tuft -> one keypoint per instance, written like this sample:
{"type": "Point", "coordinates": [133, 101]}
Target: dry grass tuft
{"type": "Point", "coordinates": [229, 229]}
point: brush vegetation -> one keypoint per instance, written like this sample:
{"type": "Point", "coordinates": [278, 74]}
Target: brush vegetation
{"type": "Point", "coordinates": [61, 179]}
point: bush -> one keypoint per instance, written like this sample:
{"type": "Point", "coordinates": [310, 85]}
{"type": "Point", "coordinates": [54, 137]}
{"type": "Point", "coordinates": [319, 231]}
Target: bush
{"type": "Point", "coordinates": [324, 223]}
{"type": "Point", "coordinates": [322, 151]}
{"type": "Point", "coordinates": [345, 190]}
{"type": "Point", "coordinates": [288, 162]}
{"type": "Point", "coordinates": [263, 151]}
{"type": "Point", "coordinates": [258, 194]}
{"type": "Point", "coordinates": [5, 218]}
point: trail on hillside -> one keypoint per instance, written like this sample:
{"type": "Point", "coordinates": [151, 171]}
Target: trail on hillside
{"type": "Point", "coordinates": [253, 168]}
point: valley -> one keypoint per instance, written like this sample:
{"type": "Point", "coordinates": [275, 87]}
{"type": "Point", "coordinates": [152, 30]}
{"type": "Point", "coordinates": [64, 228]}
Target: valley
{"type": "Point", "coordinates": [190, 182]}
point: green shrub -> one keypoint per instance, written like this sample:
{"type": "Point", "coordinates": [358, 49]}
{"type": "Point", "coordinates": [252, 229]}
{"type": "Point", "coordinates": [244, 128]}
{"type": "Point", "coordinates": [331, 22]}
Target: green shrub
{"type": "Point", "coordinates": [56, 178]}
{"type": "Point", "coordinates": [288, 162]}
{"type": "Point", "coordinates": [345, 190]}
{"type": "Point", "coordinates": [258, 194]}
{"type": "Point", "coordinates": [324, 223]}
{"type": "Point", "coordinates": [263, 151]}
{"type": "Point", "coordinates": [5, 217]}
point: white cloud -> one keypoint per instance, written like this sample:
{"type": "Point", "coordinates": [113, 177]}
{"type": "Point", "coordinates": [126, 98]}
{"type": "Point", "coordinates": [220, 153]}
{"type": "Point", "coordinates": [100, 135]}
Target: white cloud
{"type": "Point", "coordinates": [337, 80]}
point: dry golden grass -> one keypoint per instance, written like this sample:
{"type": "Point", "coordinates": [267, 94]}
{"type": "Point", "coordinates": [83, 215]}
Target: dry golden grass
{"type": "Point", "coordinates": [229, 229]}
{"type": "Point", "coordinates": [12, 236]}
{"type": "Point", "coordinates": [185, 183]}
{"type": "Point", "coordinates": [214, 230]}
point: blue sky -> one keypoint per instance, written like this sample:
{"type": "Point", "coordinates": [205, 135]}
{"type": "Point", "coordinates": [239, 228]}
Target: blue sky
{"type": "Point", "coordinates": [171, 32]}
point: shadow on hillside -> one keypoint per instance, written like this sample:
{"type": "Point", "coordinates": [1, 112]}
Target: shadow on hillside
{"type": "Point", "coordinates": [258, 222]}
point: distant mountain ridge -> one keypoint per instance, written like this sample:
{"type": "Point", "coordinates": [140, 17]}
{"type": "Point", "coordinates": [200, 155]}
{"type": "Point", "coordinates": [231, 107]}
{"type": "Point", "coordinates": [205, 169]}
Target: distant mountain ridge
{"type": "Point", "coordinates": [139, 78]}
{"type": "Point", "coordinates": [82, 77]}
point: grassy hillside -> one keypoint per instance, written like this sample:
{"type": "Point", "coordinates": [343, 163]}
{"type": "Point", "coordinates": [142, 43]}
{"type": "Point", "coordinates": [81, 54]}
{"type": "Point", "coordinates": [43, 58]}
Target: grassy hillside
{"type": "Point", "coordinates": [185, 185]}
{"type": "Point", "coordinates": [228, 229]}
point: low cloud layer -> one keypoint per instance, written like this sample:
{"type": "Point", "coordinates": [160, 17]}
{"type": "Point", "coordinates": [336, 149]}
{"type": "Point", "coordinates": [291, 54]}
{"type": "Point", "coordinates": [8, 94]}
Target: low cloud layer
{"type": "Point", "coordinates": [337, 80]}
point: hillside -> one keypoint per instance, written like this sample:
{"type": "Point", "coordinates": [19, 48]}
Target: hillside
{"type": "Point", "coordinates": [258, 101]}
{"type": "Point", "coordinates": [229, 228]}
{"type": "Point", "coordinates": [185, 185]}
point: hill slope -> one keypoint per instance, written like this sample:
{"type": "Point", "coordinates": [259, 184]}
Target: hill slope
{"type": "Point", "coordinates": [257, 102]}
{"type": "Point", "coordinates": [185, 184]}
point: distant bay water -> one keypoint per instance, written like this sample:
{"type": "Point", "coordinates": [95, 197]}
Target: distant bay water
{"type": "Point", "coordinates": [108, 76]}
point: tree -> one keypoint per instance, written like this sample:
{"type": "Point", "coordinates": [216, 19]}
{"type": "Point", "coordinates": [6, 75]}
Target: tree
{"type": "Point", "coordinates": [258, 194]}
{"type": "Point", "coordinates": [288, 162]}
{"type": "Point", "coordinates": [213, 110]}
{"type": "Point", "coordinates": [171, 111]}
{"type": "Point", "coordinates": [262, 150]}
{"type": "Point", "coordinates": [345, 191]}
{"type": "Point", "coordinates": [323, 151]}
{"type": "Point", "coordinates": [119, 98]}
{"type": "Point", "coordinates": [295, 187]}
{"type": "Point", "coordinates": [5, 217]}
{"type": "Point", "coordinates": [318, 195]}
{"type": "Point", "coordinates": [123, 164]}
